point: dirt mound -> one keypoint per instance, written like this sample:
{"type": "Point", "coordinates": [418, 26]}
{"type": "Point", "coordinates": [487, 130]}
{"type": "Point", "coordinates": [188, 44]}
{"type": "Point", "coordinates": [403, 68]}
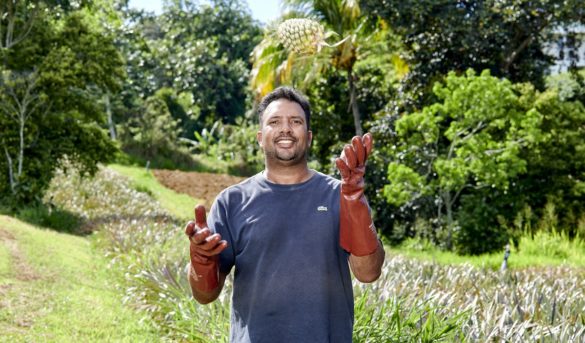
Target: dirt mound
{"type": "Point", "coordinates": [198, 185]}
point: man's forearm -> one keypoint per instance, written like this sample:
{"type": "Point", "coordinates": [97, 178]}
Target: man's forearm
{"type": "Point", "coordinates": [368, 268]}
{"type": "Point", "coordinates": [204, 297]}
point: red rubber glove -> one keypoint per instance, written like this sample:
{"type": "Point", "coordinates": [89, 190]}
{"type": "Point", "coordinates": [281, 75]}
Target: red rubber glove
{"type": "Point", "coordinates": [357, 233]}
{"type": "Point", "coordinates": [204, 249]}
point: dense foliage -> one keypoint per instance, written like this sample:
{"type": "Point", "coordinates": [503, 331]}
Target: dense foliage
{"type": "Point", "coordinates": [195, 57]}
{"type": "Point", "coordinates": [465, 163]}
{"type": "Point", "coordinates": [507, 37]}
{"type": "Point", "coordinates": [53, 76]}
{"type": "Point", "coordinates": [200, 51]}
{"type": "Point", "coordinates": [330, 95]}
{"type": "Point", "coordinates": [463, 158]}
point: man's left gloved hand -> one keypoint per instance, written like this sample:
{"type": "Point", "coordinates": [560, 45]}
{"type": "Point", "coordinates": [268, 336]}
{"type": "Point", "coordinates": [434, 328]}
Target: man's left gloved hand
{"type": "Point", "coordinates": [357, 233]}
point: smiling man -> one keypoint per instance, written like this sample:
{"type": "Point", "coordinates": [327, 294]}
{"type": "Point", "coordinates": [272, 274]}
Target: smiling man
{"type": "Point", "coordinates": [291, 234]}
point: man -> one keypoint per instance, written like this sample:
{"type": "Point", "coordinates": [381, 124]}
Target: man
{"type": "Point", "coordinates": [289, 232]}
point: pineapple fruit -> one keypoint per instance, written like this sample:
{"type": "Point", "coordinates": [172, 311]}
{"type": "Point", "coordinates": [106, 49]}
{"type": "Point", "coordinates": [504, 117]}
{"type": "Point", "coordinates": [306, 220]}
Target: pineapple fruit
{"type": "Point", "coordinates": [302, 36]}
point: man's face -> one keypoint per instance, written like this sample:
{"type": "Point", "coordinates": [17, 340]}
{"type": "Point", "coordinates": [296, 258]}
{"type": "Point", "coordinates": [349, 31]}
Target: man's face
{"type": "Point", "coordinates": [283, 133]}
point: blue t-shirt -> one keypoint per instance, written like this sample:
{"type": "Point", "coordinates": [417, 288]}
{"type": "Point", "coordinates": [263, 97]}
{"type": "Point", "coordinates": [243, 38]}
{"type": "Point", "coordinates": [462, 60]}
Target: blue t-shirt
{"type": "Point", "coordinates": [292, 281]}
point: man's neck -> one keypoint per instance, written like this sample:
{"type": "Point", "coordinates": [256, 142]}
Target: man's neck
{"type": "Point", "coordinates": [288, 175]}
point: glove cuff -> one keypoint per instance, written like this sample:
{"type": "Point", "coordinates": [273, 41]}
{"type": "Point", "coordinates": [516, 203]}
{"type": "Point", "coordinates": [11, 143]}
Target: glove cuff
{"type": "Point", "coordinates": [205, 275]}
{"type": "Point", "coordinates": [357, 233]}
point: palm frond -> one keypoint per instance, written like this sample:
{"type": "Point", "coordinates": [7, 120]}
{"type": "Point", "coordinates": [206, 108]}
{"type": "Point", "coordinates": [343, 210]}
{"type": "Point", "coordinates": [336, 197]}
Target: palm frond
{"type": "Point", "coordinates": [268, 59]}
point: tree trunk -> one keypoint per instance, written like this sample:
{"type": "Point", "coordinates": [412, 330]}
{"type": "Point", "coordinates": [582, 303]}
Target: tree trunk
{"type": "Point", "coordinates": [111, 124]}
{"type": "Point", "coordinates": [449, 209]}
{"type": "Point", "coordinates": [10, 15]}
{"type": "Point", "coordinates": [354, 105]}
{"type": "Point", "coordinates": [10, 171]}
{"type": "Point", "coordinates": [21, 150]}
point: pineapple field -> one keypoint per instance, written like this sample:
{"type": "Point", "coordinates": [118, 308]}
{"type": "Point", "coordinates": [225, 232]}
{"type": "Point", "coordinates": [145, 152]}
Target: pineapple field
{"type": "Point", "coordinates": [413, 301]}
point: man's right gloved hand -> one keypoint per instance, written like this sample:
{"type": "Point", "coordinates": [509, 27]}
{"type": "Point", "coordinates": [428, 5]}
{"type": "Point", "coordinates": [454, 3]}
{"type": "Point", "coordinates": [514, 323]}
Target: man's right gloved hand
{"type": "Point", "coordinates": [204, 249]}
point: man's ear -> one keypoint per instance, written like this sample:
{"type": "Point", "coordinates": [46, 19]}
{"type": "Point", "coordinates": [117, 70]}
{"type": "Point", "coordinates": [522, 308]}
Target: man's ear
{"type": "Point", "coordinates": [259, 138]}
{"type": "Point", "coordinates": [310, 136]}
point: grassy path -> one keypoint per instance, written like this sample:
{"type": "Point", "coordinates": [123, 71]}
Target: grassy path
{"type": "Point", "coordinates": [57, 287]}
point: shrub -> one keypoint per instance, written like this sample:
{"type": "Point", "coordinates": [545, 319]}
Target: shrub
{"type": "Point", "coordinates": [473, 160]}
{"type": "Point", "coordinates": [234, 144]}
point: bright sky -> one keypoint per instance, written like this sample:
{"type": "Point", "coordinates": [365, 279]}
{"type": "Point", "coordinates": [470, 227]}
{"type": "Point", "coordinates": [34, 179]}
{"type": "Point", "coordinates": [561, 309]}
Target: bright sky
{"type": "Point", "coordinates": [263, 10]}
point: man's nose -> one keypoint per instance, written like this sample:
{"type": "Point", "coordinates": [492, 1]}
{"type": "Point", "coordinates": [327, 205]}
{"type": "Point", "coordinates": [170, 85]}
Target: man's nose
{"type": "Point", "coordinates": [285, 127]}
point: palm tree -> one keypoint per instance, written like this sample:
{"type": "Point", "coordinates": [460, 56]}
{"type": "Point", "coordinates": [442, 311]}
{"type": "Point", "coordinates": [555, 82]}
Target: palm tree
{"type": "Point", "coordinates": [273, 66]}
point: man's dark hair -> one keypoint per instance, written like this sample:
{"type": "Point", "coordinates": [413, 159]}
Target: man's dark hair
{"type": "Point", "coordinates": [289, 94]}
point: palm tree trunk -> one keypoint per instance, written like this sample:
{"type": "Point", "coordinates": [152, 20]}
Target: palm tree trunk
{"type": "Point", "coordinates": [354, 105]}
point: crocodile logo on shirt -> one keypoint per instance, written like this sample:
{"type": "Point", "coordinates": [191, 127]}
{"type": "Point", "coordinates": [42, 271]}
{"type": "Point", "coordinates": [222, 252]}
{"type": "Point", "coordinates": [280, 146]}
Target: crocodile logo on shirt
{"type": "Point", "coordinates": [322, 208]}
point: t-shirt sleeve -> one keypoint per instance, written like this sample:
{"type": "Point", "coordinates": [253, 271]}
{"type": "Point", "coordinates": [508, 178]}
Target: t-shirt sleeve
{"type": "Point", "coordinates": [218, 222]}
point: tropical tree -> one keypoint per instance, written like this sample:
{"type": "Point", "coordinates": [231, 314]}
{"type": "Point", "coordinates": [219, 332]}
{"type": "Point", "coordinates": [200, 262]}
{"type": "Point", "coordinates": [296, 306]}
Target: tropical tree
{"type": "Point", "coordinates": [20, 101]}
{"type": "Point", "coordinates": [274, 66]}
{"type": "Point", "coordinates": [17, 18]}
{"type": "Point", "coordinates": [52, 84]}
{"type": "Point", "coordinates": [377, 81]}
{"type": "Point", "coordinates": [197, 49]}
{"type": "Point", "coordinates": [154, 132]}
{"type": "Point", "coordinates": [471, 140]}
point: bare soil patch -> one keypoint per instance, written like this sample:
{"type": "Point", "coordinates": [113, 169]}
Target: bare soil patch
{"type": "Point", "coordinates": [204, 186]}
{"type": "Point", "coordinates": [5, 235]}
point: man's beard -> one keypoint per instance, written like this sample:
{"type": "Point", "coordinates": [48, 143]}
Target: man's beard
{"type": "Point", "coordinates": [290, 158]}
{"type": "Point", "coordinates": [286, 156]}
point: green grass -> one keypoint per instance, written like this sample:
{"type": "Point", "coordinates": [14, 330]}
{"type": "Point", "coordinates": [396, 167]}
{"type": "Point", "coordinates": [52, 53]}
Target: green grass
{"type": "Point", "coordinates": [179, 205]}
{"type": "Point", "coordinates": [213, 165]}
{"type": "Point", "coordinates": [183, 161]}
{"type": "Point", "coordinates": [545, 249]}
{"type": "Point", "coordinates": [5, 261]}
{"type": "Point", "coordinates": [56, 287]}
{"type": "Point", "coordinates": [43, 215]}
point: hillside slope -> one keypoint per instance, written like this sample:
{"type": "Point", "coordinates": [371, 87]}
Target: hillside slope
{"type": "Point", "coordinates": [57, 287]}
